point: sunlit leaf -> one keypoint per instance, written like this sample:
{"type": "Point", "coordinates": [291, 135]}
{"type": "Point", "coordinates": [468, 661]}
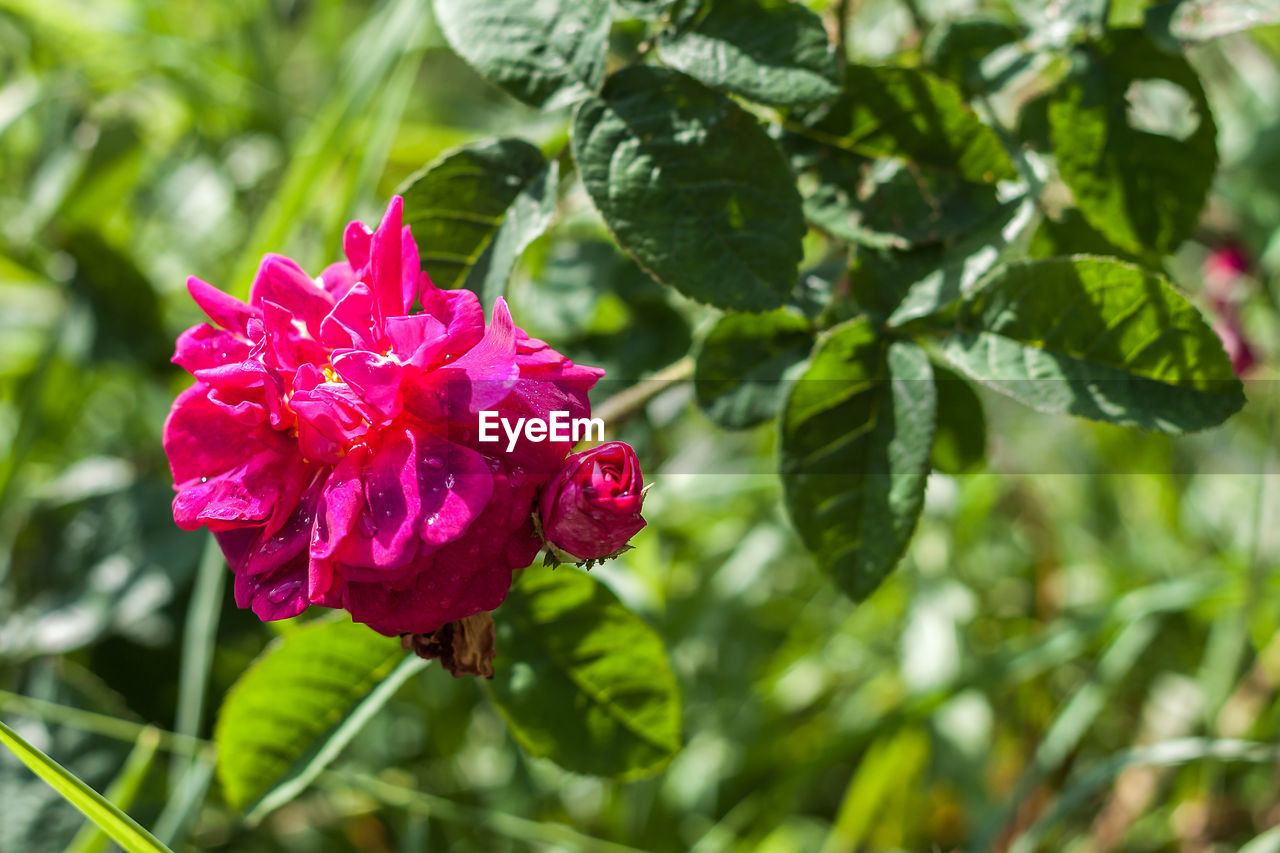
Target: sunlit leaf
{"type": "Point", "coordinates": [298, 704]}
{"type": "Point", "coordinates": [476, 209]}
{"type": "Point", "coordinates": [1098, 338]}
{"type": "Point", "coordinates": [1137, 187]}
{"type": "Point", "coordinates": [582, 680]}
{"type": "Point", "coordinates": [909, 114]}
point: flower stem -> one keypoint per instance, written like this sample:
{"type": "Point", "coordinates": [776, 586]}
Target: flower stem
{"type": "Point", "coordinates": [624, 404]}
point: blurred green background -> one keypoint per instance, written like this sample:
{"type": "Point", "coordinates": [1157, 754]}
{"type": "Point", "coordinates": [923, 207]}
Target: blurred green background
{"type": "Point", "coordinates": [1088, 594]}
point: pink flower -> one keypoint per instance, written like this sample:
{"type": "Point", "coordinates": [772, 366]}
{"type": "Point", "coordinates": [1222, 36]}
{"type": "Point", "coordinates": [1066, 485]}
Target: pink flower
{"type": "Point", "coordinates": [330, 440]}
{"type": "Point", "coordinates": [592, 508]}
{"type": "Point", "coordinates": [1237, 346]}
{"type": "Point", "coordinates": [1226, 284]}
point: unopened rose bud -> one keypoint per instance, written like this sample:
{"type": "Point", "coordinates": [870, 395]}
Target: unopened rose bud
{"type": "Point", "coordinates": [592, 508]}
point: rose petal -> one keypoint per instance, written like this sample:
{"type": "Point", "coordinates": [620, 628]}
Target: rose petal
{"type": "Point", "coordinates": [205, 346]}
{"type": "Point", "coordinates": [375, 378]}
{"type": "Point", "coordinates": [283, 282]}
{"type": "Point", "coordinates": [354, 322]}
{"type": "Point", "coordinates": [222, 308]}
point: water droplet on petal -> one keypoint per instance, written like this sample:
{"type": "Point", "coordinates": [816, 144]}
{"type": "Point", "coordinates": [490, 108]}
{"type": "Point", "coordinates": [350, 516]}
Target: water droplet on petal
{"type": "Point", "coordinates": [433, 462]}
{"type": "Point", "coordinates": [280, 592]}
{"type": "Point", "coordinates": [204, 479]}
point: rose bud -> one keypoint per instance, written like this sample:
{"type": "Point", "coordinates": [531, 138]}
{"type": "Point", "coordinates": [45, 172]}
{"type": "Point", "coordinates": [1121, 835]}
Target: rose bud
{"type": "Point", "coordinates": [592, 508]}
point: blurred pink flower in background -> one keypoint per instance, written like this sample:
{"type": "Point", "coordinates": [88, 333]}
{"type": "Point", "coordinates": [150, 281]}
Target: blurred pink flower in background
{"type": "Point", "coordinates": [1225, 281]}
{"type": "Point", "coordinates": [330, 440]}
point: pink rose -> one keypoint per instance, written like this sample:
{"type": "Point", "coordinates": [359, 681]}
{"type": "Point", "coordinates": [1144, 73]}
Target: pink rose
{"type": "Point", "coordinates": [330, 440]}
{"type": "Point", "coordinates": [592, 508]}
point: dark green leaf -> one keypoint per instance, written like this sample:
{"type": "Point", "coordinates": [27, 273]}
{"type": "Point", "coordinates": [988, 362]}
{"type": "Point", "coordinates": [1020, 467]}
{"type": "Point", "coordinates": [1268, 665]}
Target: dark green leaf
{"type": "Point", "coordinates": [856, 436]}
{"type": "Point", "coordinates": [298, 690]}
{"type": "Point", "coordinates": [909, 114]}
{"type": "Point", "coordinates": [548, 53]}
{"type": "Point", "coordinates": [741, 364]}
{"type": "Point", "coordinates": [582, 680]}
{"type": "Point", "coordinates": [955, 51]}
{"type": "Point", "coordinates": [962, 265]}
{"type": "Point", "coordinates": [1098, 338]}
{"type": "Point", "coordinates": [1071, 234]}
{"type": "Point", "coordinates": [1138, 188]}
{"type": "Point", "coordinates": [772, 51]}
{"type": "Point", "coordinates": [960, 442]}
{"type": "Point", "coordinates": [1033, 123]}
{"type": "Point", "coordinates": [691, 185]}
{"type": "Point", "coordinates": [879, 279]}
{"type": "Point", "coordinates": [889, 204]}
{"type": "Point", "coordinates": [476, 208]}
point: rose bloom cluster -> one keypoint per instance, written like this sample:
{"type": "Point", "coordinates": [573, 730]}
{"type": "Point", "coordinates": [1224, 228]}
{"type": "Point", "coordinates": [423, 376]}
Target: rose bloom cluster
{"type": "Point", "coordinates": [330, 442]}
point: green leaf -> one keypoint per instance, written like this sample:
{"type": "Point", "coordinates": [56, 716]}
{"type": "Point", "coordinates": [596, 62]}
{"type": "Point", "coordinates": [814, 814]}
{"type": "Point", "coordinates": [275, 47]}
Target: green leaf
{"type": "Point", "coordinates": [887, 203]}
{"type": "Point", "coordinates": [738, 375]}
{"type": "Point", "coordinates": [298, 704]}
{"type": "Point", "coordinates": [960, 441]}
{"type": "Point", "coordinates": [856, 435]}
{"type": "Point", "coordinates": [771, 51]}
{"type": "Point", "coordinates": [1099, 338]}
{"type": "Point", "coordinates": [1201, 20]}
{"type": "Point", "coordinates": [1071, 234]}
{"type": "Point", "coordinates": [581, 680]}
{"type": "Point", "coordinates": [955, 51]}
{"type": "Point", "coordinates": [547, 53]}
{"type": "Point", "coordinates": [476, 209]}
{"type": "Point", "coordinates": [123, 829]}
{"type": "Point", "coordinates": [691, 185]}
{"type": "Point", "coordinates": [1137, 187]}
{"type": "Point", "coordinates": [909, 114]}
{"type": "Point", "coordinates": [960, 267]}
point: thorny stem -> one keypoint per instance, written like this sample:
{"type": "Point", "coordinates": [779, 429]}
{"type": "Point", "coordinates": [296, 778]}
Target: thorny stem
{"type": "Point", "coordinates": [626, 403]}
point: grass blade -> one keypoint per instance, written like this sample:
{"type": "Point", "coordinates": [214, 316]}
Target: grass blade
{"type": "Point", "coordinates": [122, 792]}
{"type": "Point", "coordinates": [123, 829]}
